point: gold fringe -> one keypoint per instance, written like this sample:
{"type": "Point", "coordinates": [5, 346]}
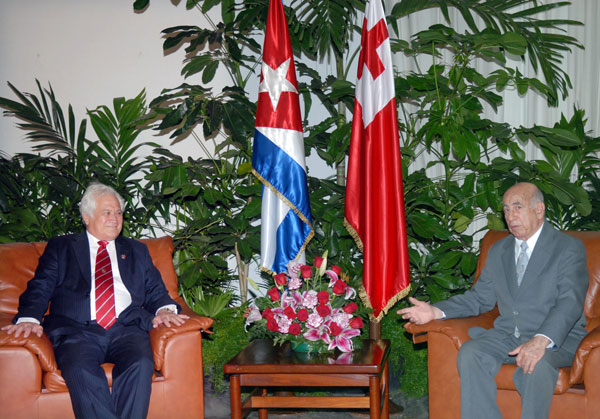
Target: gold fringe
{"type": "Point", "coordinates": [365, 298]}
{"type": "Point", "coordinates": [302, 249]}
{"type": "Point", "coordinates": [354, 234]}
{"type": "Point", "coordinates": [283, 198]}
{"type": "Point", "coordinates": [362, 292]}
{"type": "Point", "coordinates": [296, 211]}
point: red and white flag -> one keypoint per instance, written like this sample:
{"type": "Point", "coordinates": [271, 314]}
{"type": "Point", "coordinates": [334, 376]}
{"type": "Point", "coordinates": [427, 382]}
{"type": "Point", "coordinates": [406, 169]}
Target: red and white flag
{"type": "Point", "coordinates": [374, 192]}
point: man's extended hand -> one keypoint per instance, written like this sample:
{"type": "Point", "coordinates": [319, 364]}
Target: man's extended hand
{"type": "Point", "coordinates": [25, 329]}
{"type": "Point", "coordinates": [529, 353]}
{"type": "Point", "coordinates": [421, 312]}
{"type": "Point", "coordinates": [168, 318]}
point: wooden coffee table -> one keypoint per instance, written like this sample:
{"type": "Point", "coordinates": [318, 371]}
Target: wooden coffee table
{"type": "Point", "coordinates": [263, 365]}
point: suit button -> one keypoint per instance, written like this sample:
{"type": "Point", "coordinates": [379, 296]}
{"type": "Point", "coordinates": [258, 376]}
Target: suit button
{"type": "Point", "coordinates": [86, 323]}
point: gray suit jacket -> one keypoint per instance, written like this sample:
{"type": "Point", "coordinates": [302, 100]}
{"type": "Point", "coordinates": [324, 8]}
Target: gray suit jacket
{"type": "Point", "coordinates": [551, 296]}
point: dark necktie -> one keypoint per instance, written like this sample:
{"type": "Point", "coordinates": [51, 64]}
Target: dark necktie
{"type": "Point", "coordinates": [103, 284]}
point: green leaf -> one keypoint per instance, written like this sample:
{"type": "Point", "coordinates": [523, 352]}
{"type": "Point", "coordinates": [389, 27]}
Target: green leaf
{"type": "Point", "coordinates": [450, 259]}
{"type": "Point", "coordinates": [140, 4]}
{"type": "Point", "coordinates": [514, 43]}
{"type": "Point", "coordinates": [495, 222]}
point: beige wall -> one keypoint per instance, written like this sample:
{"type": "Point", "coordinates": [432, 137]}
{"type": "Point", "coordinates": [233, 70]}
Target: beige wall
{"type": "Point", "coordinates": [91, 51]}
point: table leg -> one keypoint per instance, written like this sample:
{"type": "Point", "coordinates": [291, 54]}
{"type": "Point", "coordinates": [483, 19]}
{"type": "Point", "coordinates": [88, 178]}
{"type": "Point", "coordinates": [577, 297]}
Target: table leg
{"type": "Point", "coordinates": [385, 413]}
{"type": "Point", "coordinates": [374, 396]}
{"type": "Point", "coordinates": [236, 397]}
{"type": "Point", "coordinates": [263, 413]}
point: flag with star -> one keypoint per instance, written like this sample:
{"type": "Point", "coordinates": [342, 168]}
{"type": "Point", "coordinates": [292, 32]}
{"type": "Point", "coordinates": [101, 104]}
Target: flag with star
{"type": "Point", "coordinates": [278, 151]}
{"type": "Point", "coordinates": [374, 211]}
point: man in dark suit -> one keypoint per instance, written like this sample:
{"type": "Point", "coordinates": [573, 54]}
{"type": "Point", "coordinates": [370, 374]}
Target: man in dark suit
{"type": "Point", "coordinates": [538, 279]}
{"type": "Point", "coordinates": [105, 295]}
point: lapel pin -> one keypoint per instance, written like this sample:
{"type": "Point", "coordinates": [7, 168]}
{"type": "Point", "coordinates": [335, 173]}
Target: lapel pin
{"type": "Point", "coordinates": [123, 256]}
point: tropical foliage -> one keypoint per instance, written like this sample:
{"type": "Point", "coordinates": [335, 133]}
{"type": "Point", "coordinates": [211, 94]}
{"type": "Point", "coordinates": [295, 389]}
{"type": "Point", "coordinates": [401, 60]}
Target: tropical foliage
{"type": "Point", "coordinates": [211, 205]}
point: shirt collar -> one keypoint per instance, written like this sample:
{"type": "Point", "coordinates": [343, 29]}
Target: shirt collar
{"type": "Point", "coordinates": [93, 241]}
{"type": "Point", "coordinates": [530, 242]}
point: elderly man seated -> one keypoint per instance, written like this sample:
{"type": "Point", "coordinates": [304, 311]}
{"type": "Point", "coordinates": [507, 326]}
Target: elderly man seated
{"type": "Point", "coordinates": [105, 295]}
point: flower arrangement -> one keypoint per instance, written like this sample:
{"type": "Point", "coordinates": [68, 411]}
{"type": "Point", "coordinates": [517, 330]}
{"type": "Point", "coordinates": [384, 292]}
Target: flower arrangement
{"type": "Point", "coordinates": [310, 307]}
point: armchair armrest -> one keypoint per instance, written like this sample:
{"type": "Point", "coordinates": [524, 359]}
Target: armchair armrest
{"type": "Point", "coordinates": [39, 346]}
{"type": "Point", "coordinates": [587, 345]}
{"type": "Point", "coordinates": [455, 329]}
{"type": "Point", "coordinates": [160, 336]}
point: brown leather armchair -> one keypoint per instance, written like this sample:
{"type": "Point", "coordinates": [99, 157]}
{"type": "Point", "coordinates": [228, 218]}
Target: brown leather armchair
{"type": "Point", "coordinates": [31, 385]}
{"type": "Point", "coordinates": [577, 393]}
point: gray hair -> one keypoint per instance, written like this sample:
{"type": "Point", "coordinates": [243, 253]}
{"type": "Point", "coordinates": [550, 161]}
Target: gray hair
{"type": "Point", "coordinates": [87, 206]}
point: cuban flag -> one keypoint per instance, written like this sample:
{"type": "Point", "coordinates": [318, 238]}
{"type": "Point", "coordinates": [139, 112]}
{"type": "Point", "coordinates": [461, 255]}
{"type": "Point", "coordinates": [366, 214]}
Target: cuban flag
{"type": "Point", "coordinates": [374, 192]}
{"type": "Point", "coordinates": [278, 151]}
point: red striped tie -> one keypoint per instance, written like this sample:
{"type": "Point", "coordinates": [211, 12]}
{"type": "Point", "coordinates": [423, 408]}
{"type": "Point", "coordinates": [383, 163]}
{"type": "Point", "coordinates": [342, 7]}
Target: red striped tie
{"type": "Point", "coordinates": [105, 294]}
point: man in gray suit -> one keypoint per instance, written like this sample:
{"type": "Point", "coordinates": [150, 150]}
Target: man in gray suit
{"type": "Point", "coordinates": [538, 279]}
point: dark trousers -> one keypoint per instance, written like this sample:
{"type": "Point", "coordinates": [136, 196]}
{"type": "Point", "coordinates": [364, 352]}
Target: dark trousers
{"type": "Point", "coordinates": [79, 355]}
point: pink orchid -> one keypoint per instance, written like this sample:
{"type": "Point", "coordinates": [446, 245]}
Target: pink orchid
{"type": "Point", "coordinates": [333, 277]}
{"type": "Point", "coordinates": [278, 311]}
{"type": "Point", "coordinates": [344, 340]}
{"type": "Point", "coordinates": [297, 298]}
{"type": "Point", "coordinates": [317, 334]}
{"type": "Point", "coordinates": [253, 315]}
{"type": "Point", "coordinates": [313, 335]}
{"type": "Point", "coordinates": [344, 358]}
{"type": "Point", "coordinates": [288, 300]}
{"type": "Point", "coordinates": [350, 293]}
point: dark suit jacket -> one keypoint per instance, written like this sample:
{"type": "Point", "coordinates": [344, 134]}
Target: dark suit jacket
{"type": "Point", "coordinates": [63, 280]}
{"type": "Point", "coordinates": [549, 300]}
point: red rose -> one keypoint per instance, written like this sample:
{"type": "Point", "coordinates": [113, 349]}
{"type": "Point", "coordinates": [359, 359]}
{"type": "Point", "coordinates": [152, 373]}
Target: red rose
{"type": "Point", "coordinates": [294, 329]}
{"type": "Point", "coordinates": [280, 279]}
{"type": "Point", "coordinates": [306, 271]}
{"type": "Point", "coordinates": [323, 297]}
{"type": "Point", "coordinates": [350, 308]}
{"type": "Point", "coordinates": [336, 269]}
{"type": "Point", "coordinates": [334, 329]}
{"type": "Point", "coordinates": [339, 288]}
{"type": "Point", "coordinates": [290, 313]}
{"type": "Point", "coordinates": [274, 294]}
{"type": "Point", "coordinates": [323, 310]}
{"type": "Point", "coordinates": [302, 314]}
{"type": "Point", "coordinates": [318, 261]}
{"type": "Point", "coordinates": [356, 323]}
{"type": "Point", "coordinates": [267, 313]}
{"type": "Point", "coordinates": [272, 325]}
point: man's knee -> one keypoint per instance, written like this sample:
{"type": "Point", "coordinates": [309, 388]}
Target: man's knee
{"type": "Point", "coordinates": [543, 375]}
{"type": "Point", "coordinates": [466, 355]}
{"type": "Point", "coordinates": [141, 365]}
